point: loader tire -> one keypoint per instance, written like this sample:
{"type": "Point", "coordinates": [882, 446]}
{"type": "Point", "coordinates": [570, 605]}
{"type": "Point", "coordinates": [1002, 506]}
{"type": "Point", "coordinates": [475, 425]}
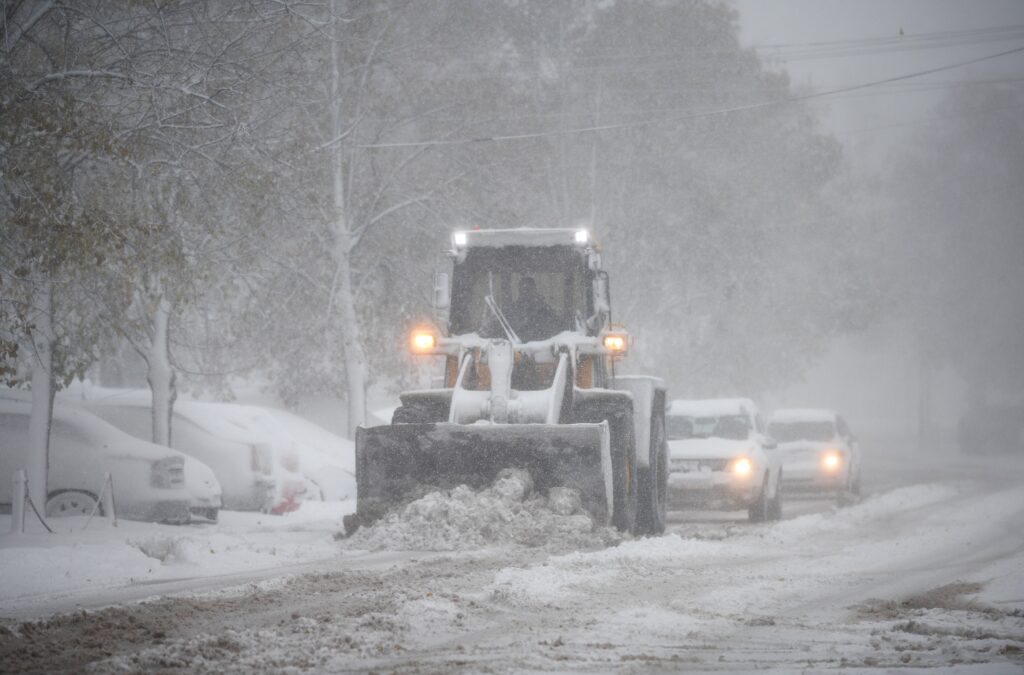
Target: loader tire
{"type": "Point", "coordinates": [412, 414]}
{"type": "Point", "coordinates": [625, 481]}
{"type": "Point", "coordinates": [653, 487]}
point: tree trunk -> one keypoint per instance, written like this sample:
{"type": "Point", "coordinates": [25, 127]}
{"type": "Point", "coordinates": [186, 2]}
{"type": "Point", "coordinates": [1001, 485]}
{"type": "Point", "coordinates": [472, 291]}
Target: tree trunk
{"type": "Point", "coordinates": [160, 374]}
{"type": "Point", "coordinates": [351, 340]}
{"type": "Point", "coordinates": [41, 415]}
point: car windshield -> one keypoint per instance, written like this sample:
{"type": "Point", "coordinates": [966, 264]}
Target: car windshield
{"type": "Point", "coordinates": [786, 432]}
{"type": "Point", "coordinates": [682, 427]}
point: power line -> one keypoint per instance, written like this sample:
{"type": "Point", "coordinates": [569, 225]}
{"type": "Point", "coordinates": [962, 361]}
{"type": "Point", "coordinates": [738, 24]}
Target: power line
{"type": "Point", "coordinates": [690, 116]}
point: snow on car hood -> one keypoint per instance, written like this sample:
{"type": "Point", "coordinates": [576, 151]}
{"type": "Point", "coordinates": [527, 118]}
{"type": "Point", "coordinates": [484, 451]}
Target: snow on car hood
{"type": "Point", "coordinates": [805, 447]}
{"type": "Point", "coordinates": [708, 448]}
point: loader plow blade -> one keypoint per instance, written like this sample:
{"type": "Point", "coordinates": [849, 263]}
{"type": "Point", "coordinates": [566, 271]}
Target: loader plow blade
{"type": "Point", "coordinates": [400, 463]}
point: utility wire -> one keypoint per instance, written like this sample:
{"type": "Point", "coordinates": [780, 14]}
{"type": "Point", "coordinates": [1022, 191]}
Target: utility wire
{"type": "Point", "coordinates": [690, 116]}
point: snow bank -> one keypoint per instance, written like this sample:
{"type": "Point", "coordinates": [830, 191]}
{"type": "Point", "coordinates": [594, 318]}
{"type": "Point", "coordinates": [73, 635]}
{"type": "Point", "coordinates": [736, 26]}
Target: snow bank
{"type": "Point", "coordinates": [507, 512]}
{"type": "Point", "coordinates": [38, 566]}
{"type": "Point", "coordinates": [564, 576]}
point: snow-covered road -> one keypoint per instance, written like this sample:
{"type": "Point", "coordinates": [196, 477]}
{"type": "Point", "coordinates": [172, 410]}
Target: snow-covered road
{"type": "Point", "coordinates": [928, 570]}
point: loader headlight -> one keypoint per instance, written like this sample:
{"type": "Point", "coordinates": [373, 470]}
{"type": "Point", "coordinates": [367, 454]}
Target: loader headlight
{"type": "Point", "coordinates": [582, 236]}
{"type": "Point", "coordinates": [423, 341]}
{"type": "Point", "coordinates": [459, 239]}
{"type": "Point", "coordinates": [831, 460]}
{"type": "Point", "coordinates": [741, 466]}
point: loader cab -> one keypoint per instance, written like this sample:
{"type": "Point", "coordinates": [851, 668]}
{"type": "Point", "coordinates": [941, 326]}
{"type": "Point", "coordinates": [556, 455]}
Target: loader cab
{"type": "Point", "coordinates": [561, 300]}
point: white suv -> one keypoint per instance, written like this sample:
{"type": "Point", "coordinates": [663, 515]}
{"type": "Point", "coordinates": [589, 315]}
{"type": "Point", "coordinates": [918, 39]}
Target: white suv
{"type": "Point", "coordinates": [719, 457]}
{"type": "Point", "coordinates": [818, 451]}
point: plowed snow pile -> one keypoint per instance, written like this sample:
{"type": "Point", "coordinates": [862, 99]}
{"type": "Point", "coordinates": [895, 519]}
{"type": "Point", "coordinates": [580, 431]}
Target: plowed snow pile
{"type": "Point", "coordinates": [508, 512]}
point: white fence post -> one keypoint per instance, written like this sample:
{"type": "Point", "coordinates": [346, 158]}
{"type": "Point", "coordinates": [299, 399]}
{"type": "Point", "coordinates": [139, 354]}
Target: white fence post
{"type": "Point", "coordinates": [107, 497]}
{"type": "Point", "coordinates": [18, 501]}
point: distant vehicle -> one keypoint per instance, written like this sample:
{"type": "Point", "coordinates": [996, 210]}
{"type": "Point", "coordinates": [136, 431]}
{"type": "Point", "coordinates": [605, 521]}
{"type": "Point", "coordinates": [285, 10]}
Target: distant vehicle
{"type": "Point", "coordinates": [991, 429]}
{"type": "Point", "coordinates": [151, 482]}
{"type": "Point", "coordinates": [719, 457]}
{"type": "Point", "coordinates": [818, 452]}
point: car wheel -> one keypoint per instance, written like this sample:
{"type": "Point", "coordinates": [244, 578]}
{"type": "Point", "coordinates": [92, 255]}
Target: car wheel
{"type": "Point", "coordinates": [208, 514]}
{"type": "Point", "coordinates": [317, 496]}
{"type": "Point", "coordinates": [775, 508]}
{"type": "Point", "coordinates": [71, 503]}
{"type": "Point", "coordinates": [758, 511]}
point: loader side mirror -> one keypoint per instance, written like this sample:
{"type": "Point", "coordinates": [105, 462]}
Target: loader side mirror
{"type": "Point", "coordinates": [442, 296]}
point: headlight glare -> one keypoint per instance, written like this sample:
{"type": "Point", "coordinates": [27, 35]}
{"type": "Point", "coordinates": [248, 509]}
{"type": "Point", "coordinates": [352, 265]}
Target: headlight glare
{"type": "Point", "coordinates": [742, 466]}
{"type": "Point", "coordinates": [831, 461]}
{"type": "Point", "coordinates": [423, 341]}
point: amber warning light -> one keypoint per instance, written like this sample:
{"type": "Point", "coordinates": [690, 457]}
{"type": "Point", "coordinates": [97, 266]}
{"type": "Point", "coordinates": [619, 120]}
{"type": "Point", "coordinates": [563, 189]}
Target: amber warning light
{"type": "Point", "coordinates": [615, 342]}
{"type": "Point", "coordinates": [423, 341]}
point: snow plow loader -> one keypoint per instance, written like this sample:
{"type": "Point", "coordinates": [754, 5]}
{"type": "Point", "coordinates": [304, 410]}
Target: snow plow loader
{"type": "Point", "coordinates": [529, 382]}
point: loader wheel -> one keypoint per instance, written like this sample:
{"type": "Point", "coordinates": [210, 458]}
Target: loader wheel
{"type": "Point", "coordinates": [412, 414]}
{"type": "Point", "coordinates": [625, 481]}
{"type": "Point", "coordinates": [654, 479]}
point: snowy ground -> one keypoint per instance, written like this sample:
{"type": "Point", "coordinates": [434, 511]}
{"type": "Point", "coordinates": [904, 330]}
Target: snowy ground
{"type": "Point", "coordinates": [89, 563]}
{"type": "Point", "coordinates": [926, 571]}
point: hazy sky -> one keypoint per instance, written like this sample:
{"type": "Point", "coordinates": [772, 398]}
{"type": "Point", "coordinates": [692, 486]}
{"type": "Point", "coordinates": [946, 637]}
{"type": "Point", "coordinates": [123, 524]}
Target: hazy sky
{"type": "Point", "coordinates": [828, 44]}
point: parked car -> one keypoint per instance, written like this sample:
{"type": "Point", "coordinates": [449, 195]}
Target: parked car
{"type": "Point", "coordinates": [819, 453]}
{"type": "Point", "coordinates": [326, 461]}
{"type": "Point", "coordinates": [251, 476]}
{"type": "Point", "coordinates": [150, 482]}
{"type": "Point", "coordinates": [205, 488]}
{"type": "Point", "coordinates": [719, 457]}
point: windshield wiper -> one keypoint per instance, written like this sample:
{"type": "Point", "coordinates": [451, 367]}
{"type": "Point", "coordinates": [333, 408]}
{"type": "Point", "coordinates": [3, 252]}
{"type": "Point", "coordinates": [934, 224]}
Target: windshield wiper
{"type": "Point", "coordinates": [492, 304]}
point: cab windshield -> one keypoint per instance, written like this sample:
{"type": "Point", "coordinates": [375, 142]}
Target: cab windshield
{"type": "Point", "coordinates": [539, 291]}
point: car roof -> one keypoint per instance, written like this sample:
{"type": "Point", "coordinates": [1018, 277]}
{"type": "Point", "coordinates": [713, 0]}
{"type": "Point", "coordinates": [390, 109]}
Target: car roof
{"type": "Point", "coordinates": [113, 440]}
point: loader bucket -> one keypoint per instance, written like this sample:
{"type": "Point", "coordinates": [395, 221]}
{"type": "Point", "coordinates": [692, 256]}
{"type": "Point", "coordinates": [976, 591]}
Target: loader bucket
{"type": "Point", "coordinates": [400, 463]}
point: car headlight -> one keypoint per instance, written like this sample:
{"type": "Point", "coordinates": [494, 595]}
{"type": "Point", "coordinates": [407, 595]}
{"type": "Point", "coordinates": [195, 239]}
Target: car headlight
{"type": "Point", "coordinates": [741, 466]}
{"type": "Point", "coordinates": [831, 460]}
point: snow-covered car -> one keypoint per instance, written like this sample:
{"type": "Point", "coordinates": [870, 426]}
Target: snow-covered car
{"type": "Point", "coordinates": [253, 473]}
{"type": "Point", "coordinates": [204, 487]}
{"type": "Point", "coordinates": [819, 454]}
{"type": "Point", "coordinates": [719, 457]}
{"type": "Point", "coordinates": [151, 482]}
{"type": "Point", "coordinates": [325, 460]}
